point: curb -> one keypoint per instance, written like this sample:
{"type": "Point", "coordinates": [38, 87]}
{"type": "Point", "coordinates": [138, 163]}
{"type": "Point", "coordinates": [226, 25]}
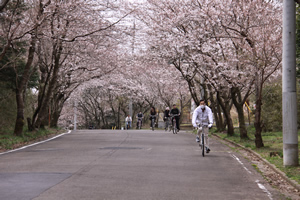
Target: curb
{"type": "Point", "coordinates": [273, 167]}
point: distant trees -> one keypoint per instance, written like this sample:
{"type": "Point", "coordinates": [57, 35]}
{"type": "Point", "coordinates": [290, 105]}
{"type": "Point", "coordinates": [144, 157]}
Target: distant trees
{"type": "Point", "coordinates": [143, 82]}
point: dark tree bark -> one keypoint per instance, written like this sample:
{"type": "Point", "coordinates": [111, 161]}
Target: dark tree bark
{"type": "Point", "coordinates": [225, 105]}
{"type": "Point", "coordinates": [216, 110]}
{"type": "Point", "coordinates": [257, 123]}
{"type": "Point", "coordinates": [22, 85]}
{"type": "Point", "coordinates": [52, 78]}
{"type": "Point", "coordinates": [239, 102]}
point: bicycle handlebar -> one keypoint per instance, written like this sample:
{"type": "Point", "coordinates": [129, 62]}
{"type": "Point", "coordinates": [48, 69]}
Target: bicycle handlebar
{"type": "Point", "coordinates": [201, 125]}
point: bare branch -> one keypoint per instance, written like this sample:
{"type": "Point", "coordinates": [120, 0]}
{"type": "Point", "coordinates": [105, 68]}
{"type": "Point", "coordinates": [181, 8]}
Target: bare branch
{"type": "Point", "coordinates": [98, 30]}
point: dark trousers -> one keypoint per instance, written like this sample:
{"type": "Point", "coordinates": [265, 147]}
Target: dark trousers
{"type": "Point", "coordinates": [151, 121]}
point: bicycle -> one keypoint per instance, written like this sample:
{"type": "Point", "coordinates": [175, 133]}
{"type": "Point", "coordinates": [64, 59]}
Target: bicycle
{"type": "Point", "coordinates": [139, 123]}
{"type": "Point", "coordinates": [152, 117]}
{"type": "Point", "coordinates": [202, 140]}
{"type": "Point", "coordinates": [128, 125]}
{"type": "Point", "coordinates": [175, 130]}
{"type": "Point", "coordinates": [168, 124]}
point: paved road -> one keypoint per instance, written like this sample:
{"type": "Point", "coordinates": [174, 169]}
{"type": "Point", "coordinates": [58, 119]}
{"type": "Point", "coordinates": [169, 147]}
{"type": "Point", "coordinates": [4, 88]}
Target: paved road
{"type": "Point", "coordinates": [137, 164]}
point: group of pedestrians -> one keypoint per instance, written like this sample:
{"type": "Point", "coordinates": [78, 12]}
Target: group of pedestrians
{"type": "Point", "coordinates": [202, 117]}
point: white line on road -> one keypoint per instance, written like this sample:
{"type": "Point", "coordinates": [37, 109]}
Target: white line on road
{"type": "Point", "coordinates": [261, 186]}
{"type": "Point", "coordinates": [241, 163]}
{"type": "Point", "coordinates": [24, 147]}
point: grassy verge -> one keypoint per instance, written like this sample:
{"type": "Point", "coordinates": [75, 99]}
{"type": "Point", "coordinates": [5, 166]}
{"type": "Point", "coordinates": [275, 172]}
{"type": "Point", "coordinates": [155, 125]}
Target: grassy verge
{"type": "Point", "coordinates": [272, 150]}
{"type": "Point", "coordinates": [10, 141]}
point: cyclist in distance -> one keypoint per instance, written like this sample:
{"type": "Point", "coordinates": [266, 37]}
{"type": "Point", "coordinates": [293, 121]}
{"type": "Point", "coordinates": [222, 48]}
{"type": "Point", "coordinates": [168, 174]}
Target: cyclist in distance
{"type": "Point", "coordinates": [166, 117]}
{"type": "Point", "coordinates": [152, 115]}
{"type": "Point", "coordinates": [128, 121]}
{"type": "Point", "coordinates": [139, 116]}
{"type": "Point", "coordinates": [175, 111]}
{"type": "Point", "coordinates": [203, 115]}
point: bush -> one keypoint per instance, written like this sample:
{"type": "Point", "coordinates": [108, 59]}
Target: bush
{"type": "Point", "coordinates": [272, 107]}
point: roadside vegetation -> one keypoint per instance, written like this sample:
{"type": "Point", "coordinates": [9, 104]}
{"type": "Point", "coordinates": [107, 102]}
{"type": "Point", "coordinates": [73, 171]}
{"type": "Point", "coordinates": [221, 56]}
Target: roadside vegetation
{"type": "Point", "coordinates": [9, 141]}
{"type": "Point", "coordinates": [272, 151]}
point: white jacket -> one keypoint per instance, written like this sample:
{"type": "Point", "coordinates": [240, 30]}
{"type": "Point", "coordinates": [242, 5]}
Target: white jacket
{"type": "Point", "coordinates": [202, 117]}
{"type": "Point", "coordinates": [128, 119]}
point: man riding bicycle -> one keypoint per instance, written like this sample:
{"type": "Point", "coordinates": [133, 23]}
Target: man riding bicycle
{"type": "Point", "coordinates": [167, 117]}
{"type": "Point", "coordinates": [140, 117]}
{"type": "Point", "coordinates": [128, 121]}
{"type": "Point", "coordinates": [203, 115]}
{"type": "Point", "coordinates": [175, 111]}
{"type": "Point", "coordinates": [152, 116]}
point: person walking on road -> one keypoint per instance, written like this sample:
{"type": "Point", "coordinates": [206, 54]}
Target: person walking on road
{"type": "Point", "coordinates": [203, 115]}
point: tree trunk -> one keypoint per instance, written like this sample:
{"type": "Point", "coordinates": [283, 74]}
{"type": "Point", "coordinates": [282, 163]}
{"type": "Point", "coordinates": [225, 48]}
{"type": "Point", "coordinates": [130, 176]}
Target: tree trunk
{"type": "Point", "coordinates": [20, 114]}
{"type": "Point", "coordinates": [43, 84]}
{"type": "Point", "coordinates": [257, 124]}
{"type": "Point", "coordinates": [22, 86]}
{"type": "Point", "coordinates": [226, 110]}
{"type": "Point", "coordinates": [239, 104]}
{"type": "Point", "coordinates": [43, 113]}
{"type": "Point", "coordinates": [242, 126]}
{"type": "Point", "coordinates": [220, 115]}
{"type": "Point", "coordinates": [216, 110]}
{"type": "Point", "coordinates": [56, 108]}
{"type": "Point", "coordinates": [29, 124]}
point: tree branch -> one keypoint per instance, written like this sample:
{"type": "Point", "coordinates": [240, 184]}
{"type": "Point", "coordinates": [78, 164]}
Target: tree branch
{"type": "Point", "coordinates": [98, 30]}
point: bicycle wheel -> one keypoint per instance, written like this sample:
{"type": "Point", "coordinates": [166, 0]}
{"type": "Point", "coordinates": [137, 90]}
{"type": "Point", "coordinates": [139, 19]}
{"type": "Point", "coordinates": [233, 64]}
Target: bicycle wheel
{"type": "Point", "coordinates": [203, 145]}
{"type": "Point", "coordinates": [174, 126]}
{"type": "Point", "coordinates": [152, 124]}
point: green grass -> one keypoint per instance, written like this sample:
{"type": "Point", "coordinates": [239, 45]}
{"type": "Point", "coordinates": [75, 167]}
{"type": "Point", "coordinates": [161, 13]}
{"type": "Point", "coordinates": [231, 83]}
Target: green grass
{"type": "Point", "coordinates": [272, 143]}
{"type": "Point", "coordinates": [10, 141]}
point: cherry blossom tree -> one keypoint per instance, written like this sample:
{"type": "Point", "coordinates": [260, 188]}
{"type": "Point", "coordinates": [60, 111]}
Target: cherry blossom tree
{"type": "Point", "coordinates": [220, 42]}
{"type": "Point", "coordinates": [21, 23]}
{"type": "Point", "coordinates": [57, 29]}
{"type": "Point", "coordinates": [142, 81]}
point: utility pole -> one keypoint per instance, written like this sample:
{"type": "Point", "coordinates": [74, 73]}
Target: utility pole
{"type": "Point", "coordinates": [289, 95]}
{"type": "Point", "coordinates": [75, 115]}
{"type": "Point", "coordinates": [133, 54]}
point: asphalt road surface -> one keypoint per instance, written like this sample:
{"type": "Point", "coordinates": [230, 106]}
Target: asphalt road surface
{"type": "Point", "coordinates": [129, 165]}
